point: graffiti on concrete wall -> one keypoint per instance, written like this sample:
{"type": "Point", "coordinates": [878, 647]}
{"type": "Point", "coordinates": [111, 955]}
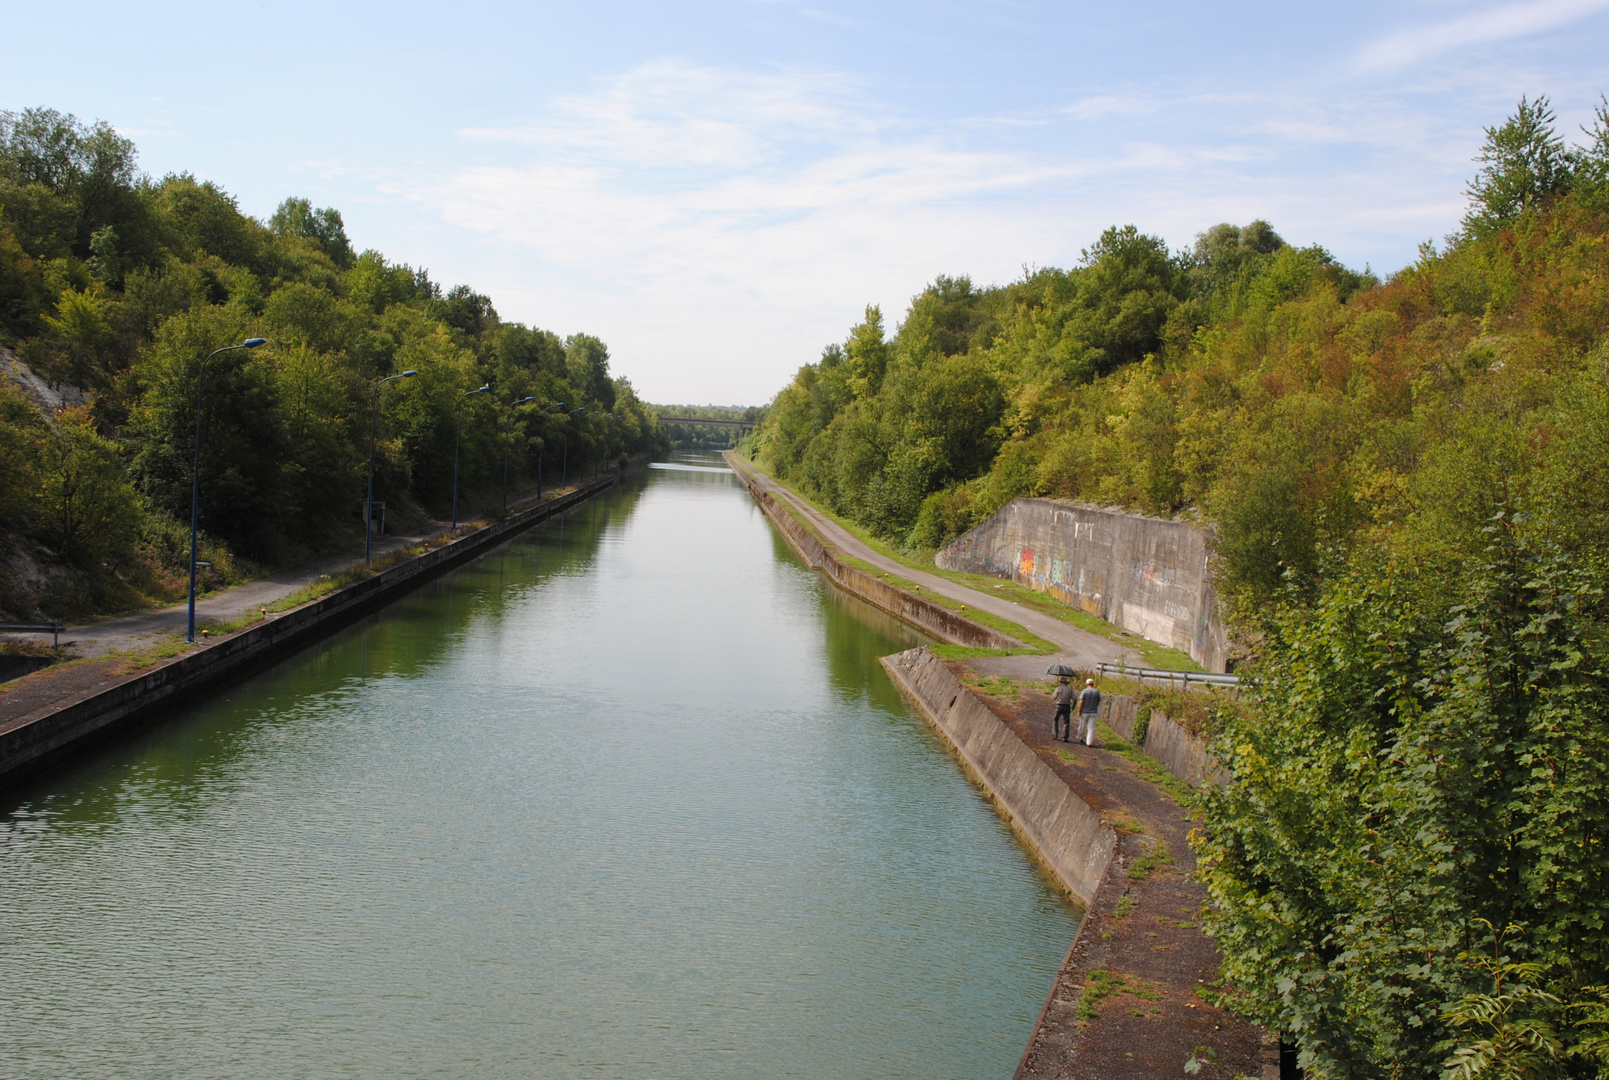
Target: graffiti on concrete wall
{"type": "Point", "coordinates": [1146, 575]}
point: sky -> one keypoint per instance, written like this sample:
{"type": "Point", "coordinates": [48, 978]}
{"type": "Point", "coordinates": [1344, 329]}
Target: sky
{"type": "Point", "coordinates": [718, 189]}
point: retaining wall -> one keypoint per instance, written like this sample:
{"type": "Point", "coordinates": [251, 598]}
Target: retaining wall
{"type": "Point", "coordinates": [1061, 828]}
{"type": "Point", "coordinates": [1168, 741]}
{"type": "Point", "coordinates": [934, 619]}
{"type": "Point", "coordinates": [27, 747]}
{"type": "Point", "coordinates": [1147, 575]}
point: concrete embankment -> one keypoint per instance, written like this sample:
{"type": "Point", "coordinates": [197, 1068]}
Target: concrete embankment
{"type": "Point", "coordinates": [1148, 575]}
{"type": "Point", "coordinates": [931, 618]}
{"type": "Point", "coordinates": [1131, 1000]}
{"type": "Point", "coordinates": [36, 739]}
{"type": "Point", "coordinates": [1174, 747]}
{"type": "Point", "coordinates": [1067, 835]}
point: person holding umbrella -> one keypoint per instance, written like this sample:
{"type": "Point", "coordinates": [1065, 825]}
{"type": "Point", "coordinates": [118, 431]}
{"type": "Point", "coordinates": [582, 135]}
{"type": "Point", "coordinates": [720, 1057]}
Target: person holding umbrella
{"type": "Point", "coordinates": [1063, 697]}
{"type": "Point", "coordinates": [1063, 720]}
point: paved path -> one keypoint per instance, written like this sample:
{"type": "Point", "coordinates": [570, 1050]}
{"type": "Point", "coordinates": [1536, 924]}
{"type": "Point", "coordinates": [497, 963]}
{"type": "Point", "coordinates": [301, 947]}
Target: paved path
{"type": "Point", "coordinates": [1075, 647]}
{"type": "Point", "coordinates": [146, 628]}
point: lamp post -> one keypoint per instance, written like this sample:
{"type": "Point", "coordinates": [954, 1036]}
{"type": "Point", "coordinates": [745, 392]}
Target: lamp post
{"type": "Point", "coordinates": [374, 427]}
{"type": "Point", "coordinates": [507, 424]}
{"type": "Point", "coordinates": [458, 426]}
{"type": "Point", "coordinates": [566, 474]}
{"type": "Point", "coordinates": [541, 449]}
{"type": "Point", "coordinates": [195, 474]}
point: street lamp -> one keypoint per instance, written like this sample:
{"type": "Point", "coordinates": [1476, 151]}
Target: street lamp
{"type": "Point", "coordinates": [543, 448]}
{"type": "Point", "coordinates": [458, 425]}
{"type": "Point", "coordinates": [565, 480]}
{"type": "Point", "coordinates": [506, 426]}
{"type": "Point", "coordinates": [195, 474]}
{"type": "Point", "coordinates": [374, 425]}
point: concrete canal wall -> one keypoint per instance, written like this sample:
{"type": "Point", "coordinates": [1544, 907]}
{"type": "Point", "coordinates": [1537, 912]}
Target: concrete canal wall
{"type": "Point", "coordinates": [37, 742]}
{"type": "Point", "coordinates": [1059, 827]}
{"type": "Point", "coordinates": [1147, 575]}
{"type": "Point", "coordinates": [1172, 745]}
{"type": "Point", "coordinates": [931, 618]}
{"type": "Point", "coordinates": [1063, 830]}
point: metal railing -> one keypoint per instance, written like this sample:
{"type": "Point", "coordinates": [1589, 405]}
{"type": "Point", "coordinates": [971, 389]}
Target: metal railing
{"type": "Point", "coordinates": [1201, 678]}
{"type": "Point", "coordinates": [55, 630]}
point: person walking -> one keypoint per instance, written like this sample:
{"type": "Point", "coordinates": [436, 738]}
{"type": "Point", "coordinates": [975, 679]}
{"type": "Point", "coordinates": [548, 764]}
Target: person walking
{"type": "Point", "coordinates": [1063, 720]}
{"type": "Point", "coordinates": [1089, 706]}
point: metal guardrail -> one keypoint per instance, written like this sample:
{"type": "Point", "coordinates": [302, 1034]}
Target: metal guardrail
{"type": "Point", "coordinates": [1205, 678]}
{"type": "Point", "coordinates": [55, 630]}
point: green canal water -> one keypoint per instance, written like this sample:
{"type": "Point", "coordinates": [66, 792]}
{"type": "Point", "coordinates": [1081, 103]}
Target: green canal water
{"type": "Point", "coordinates": [628, 797]}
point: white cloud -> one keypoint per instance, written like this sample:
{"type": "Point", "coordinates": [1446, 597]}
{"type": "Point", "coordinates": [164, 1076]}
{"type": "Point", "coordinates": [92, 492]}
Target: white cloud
{"type": "Point", "coordinates": [718, 226]}
{"type": "Point", "coordinates": [1491, 25]}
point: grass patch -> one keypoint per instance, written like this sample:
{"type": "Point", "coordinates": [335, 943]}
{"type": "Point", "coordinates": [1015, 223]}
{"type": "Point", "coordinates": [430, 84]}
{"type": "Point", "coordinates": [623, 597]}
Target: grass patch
{"type": "Point", "coordinates": [999, 686]}
{"type": "Point", "coordinates": [1103, 985]}
{"type": "Point", "coordinates": [1127, 822]}
{"type": "Point", "coordinates": [1034, 644]}
{"type": "Point", "coordinates": [1125, 906]}
{"type": "Point", "coordinates": [1147, 768]}
{"type": "Point", "coordinates": [1159, 855]}
{"type": "Point", "coordinates": [1157, 656]}
{"type": "Point", "coordinates": [131, 660]}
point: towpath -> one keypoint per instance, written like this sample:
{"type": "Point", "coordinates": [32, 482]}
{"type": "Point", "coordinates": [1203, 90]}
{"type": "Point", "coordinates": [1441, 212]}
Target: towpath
{"type": "Point", "coordinates": [144, 629]}
{"type": "Point", "coordinates": [1075, 647]}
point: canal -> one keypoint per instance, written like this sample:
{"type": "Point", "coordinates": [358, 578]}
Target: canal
{"type": "Point", "coordinates": [628, 797]}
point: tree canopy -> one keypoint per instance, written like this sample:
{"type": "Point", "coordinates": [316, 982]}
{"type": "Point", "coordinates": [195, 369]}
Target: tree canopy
{"type": "Point", "coordinates": [118, 284]}
{"type": "Point", "coordinates": [1408, 488]}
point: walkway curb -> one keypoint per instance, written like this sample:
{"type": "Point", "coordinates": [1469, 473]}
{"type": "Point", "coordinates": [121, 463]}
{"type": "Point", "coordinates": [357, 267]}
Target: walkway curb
{"type": "Point", "coordinates": [36, 744]}
{"type": "Point", "coordinates": [931, 618]}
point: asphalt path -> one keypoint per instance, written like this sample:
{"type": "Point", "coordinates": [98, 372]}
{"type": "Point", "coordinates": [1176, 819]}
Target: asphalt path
{"type": "Point", "coordinates": [1075, 647]}
{"type": "Point", "coordinates": [144, 629]}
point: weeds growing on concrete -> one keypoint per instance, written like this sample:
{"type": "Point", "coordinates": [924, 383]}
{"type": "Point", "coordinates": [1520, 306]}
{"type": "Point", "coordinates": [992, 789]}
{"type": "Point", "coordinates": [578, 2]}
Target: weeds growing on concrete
{"type": "Point", "coordinates": [1148, 768]}
{"type": "Point", "coordinates": [1158, 855]}
{"type": "Point", "coordinates": [1104, 984]}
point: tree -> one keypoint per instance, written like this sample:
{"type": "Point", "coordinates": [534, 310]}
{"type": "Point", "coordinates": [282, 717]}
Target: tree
{"type": "Point", "coordinates": [587, 360]}
{"type": "Point", "coordinates": [1523, 163]}
{"type": "Point", "coordinates": [296, 217]}
{"type": "Point", "coordinates": [1591, 162]}
{"type": "Point", "coordinates": [245, 446]}
{"type": "Point", "coordinates": [1427, 758]}
{"type": "Point", "coordinates": [866, 354]}
{"type": "Point", "coordinates": [85, 506]}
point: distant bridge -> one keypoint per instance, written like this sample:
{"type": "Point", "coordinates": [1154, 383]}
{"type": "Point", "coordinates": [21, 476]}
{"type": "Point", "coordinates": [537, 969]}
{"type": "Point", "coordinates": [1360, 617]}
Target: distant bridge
{"type": "Point", "coordinates": [741, 425]}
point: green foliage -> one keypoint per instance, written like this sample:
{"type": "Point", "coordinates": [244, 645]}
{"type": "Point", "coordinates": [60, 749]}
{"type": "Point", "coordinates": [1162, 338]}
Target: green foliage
{"type": "Point", "coordinates": [84, 505]}
{"type": "Point", "coordinates": [1523, 163]}
{"type": "Point", "coordinates": [119, 284]}
{"type": "Point", "coordinates": [1429, 754]}
{"type": "Point", "coordinates": [296, 217]}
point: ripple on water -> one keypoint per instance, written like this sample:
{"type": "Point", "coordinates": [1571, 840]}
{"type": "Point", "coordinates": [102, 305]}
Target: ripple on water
{"type": "Point", "coordinates": [628, 798]}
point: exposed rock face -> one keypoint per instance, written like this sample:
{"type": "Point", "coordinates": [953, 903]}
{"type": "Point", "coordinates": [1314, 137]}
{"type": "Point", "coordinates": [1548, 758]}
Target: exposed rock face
{"type": "Point", "coordinates": [38, 390]}
{"type": "Point", "coordinates": [1147, 575]}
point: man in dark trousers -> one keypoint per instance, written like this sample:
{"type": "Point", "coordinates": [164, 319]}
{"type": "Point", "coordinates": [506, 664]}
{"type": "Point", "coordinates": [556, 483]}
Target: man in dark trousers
{"type": "Point", "coordinates": [1089, 706]}
{"type": "Point", "coordinates": [1063, 720]}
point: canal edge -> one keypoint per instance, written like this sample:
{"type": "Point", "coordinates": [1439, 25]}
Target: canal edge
{"type": "Point", "coordinates": [819, 554]}
{"type": "Point", "coordinates": [1052, 819]}
{"type": "Point", "coordinates": [42, 742]}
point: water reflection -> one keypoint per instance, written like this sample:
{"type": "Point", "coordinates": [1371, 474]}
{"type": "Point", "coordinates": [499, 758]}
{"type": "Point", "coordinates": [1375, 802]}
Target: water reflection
{"type": "Point", "coordinates": [628, 797]}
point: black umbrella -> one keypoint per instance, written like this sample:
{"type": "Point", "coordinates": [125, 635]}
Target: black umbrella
{"type": "Point", "coordinates": [1062, 669]}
